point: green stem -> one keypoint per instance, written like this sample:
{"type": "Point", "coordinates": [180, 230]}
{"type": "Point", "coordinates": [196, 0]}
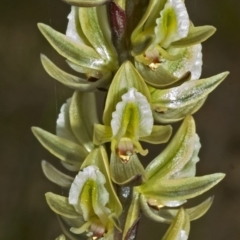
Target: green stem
{"type": "Point", "coordinates": [125, 195]}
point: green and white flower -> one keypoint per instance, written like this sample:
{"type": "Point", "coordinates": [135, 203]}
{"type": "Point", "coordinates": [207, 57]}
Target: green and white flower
{"type": "Point", "coordinates": [89, 198]}
{"type": "Point", "coordinates": [73, 140]}
{"type": "Point", "coordinates": [131, 121]}
{"type": "Point", "coordinates": [171, 177]}
{"type": "Point", "coordinates": [86, 46]}
{"type": "Point", "coordinates": [92, 204]}
{"type": "Point", "coordinates": [131, 118]}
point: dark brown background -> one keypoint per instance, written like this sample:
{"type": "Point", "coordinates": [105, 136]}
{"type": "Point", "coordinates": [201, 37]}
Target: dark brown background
{"type": "Point", "coordinates": [29, 97]}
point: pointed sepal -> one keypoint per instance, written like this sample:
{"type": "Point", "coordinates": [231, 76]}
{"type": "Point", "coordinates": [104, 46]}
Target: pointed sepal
{"type": "Point", "coordinates": [62, 148]}
{"type": "Point", "coordinates": [61, 206]}
{"type": "Point", "coordinates": [173, 104]}
{"type": "Point", "coordinates": [196, 35]}
{"type": "Point", "coordinates": [180, 189]}
{"type": "Point", "coordinates": [78, 53]}
{"type": "Point", "coordinates": [180, 227]}
{"type": "Point", "coordinates": [55, 175]}
{"type": "Point", "coordinates": [176, 155]}
{"type": "Point", "coordinates": [72, 81]}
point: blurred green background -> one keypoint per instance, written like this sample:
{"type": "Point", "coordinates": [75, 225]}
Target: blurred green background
{"type": "Point", "coordinates": [29, 97]}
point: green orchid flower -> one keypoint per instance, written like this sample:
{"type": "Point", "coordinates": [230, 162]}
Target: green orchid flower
{"type": "Point", "coordinates": [128, 117]}
{"type": "Point", "coordinates": [166, 45]}
{"type": "Point", "coordinates": [73, 140]}
{"type": "Point", "coordinates": [86, 46]}
{"type": "Point", "coordinates": [92, 205]}
{"type": "Point", "coordinates": [167, 23]}
{"type": "Point", "coordinates": [128, 120]}
{"type": "Point", "coordinates": [147, 56]}
{"type": "Point", "coordinates": [131, 122]}
{"type": "Point", "coordinates": [171, 178]}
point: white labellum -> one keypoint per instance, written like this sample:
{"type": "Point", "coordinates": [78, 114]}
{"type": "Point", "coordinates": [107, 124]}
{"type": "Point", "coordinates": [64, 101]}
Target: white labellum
{"type": "Point", "coordinates": [144, 112]}
{"type": "Point", "coordinates": [165, 35]}
{"type": "Point", "coordinates": [90, 172]}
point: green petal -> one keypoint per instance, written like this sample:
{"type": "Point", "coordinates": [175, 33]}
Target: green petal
{"type": "Point", "coordinates": [160, 78]}
{"type": "Point", "coordinates": [198, 211]}
{"type": "Point", "coordinates": [102, 134]}
{"type": "Point", "coordinates": [183, 100]}
{"type": "Point", "coordinates": [149, 17]}
{"type": "Point", "coordinates": [63, 149]}
{"type": "Point", "coordinates": [56, 176]}
{"type": "Point", "coordinates": [133, 216]}
{"type": "Point", "coordinates": [196, 35]}
{"type": "Point", "coordinates": [175, 155]}
{"type": "Point", "coordinates": [187, 93]}
{"type": "Point", "coordinates": [99, 158]}
{"type": "Point", "coordinates": [129, 173]}
{"type": "Point", "coordinates": [194, 212]}
{"type": "Point", "coordinates": [126, 78]}
{"type": "Point", "coordinates": [76, 52]}
{"type": "Point", "coordinates": [72, 81]}
{"type": "Point", "coordinates": [60, 205]}
{"type": "Point", "coordinates": [180, 227]}
{"type": "Point", "coordinates": [164, 115]}
{"type": "Point", "coordinates": [164, 215]}
{"type": "Point", "coordinates": [70, 167]}
{"type": "Point", "coordinates": [93, 32]}
{"type": "Point", "coordinates": [159, 134]}
{"type": "Point", "coordinates": [86, 3]}
{"type": "Point", "coordinates": [180, 189]}
{"type": "Point", "coordinates": [82, 119]}
{"type": "Point", "coordinates": [82, 229]}
{"type": "Point", "coordinates": [89, 72]}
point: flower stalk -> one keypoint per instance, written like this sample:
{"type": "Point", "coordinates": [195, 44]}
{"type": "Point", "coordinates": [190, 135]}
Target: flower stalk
{"type": "Point", "coordinates": [147, 57]}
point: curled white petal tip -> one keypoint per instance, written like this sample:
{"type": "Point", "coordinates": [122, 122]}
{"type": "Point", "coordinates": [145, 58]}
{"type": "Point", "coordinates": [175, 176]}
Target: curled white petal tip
{"type": "Point", "coordinates": [182, 235]}
{"type": "Point", "coordinates": [63, 118]}
{"type": "Point", "coordinates": [144, 112]}
{"type": "Point", "coordinates": [197, 63]}
{"type": "Point", "coordinates": [63, 128]}
{"type": "Point", "coordinates": [182, 18]}
{"type": "Point", "coordinates": [71, 31]}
